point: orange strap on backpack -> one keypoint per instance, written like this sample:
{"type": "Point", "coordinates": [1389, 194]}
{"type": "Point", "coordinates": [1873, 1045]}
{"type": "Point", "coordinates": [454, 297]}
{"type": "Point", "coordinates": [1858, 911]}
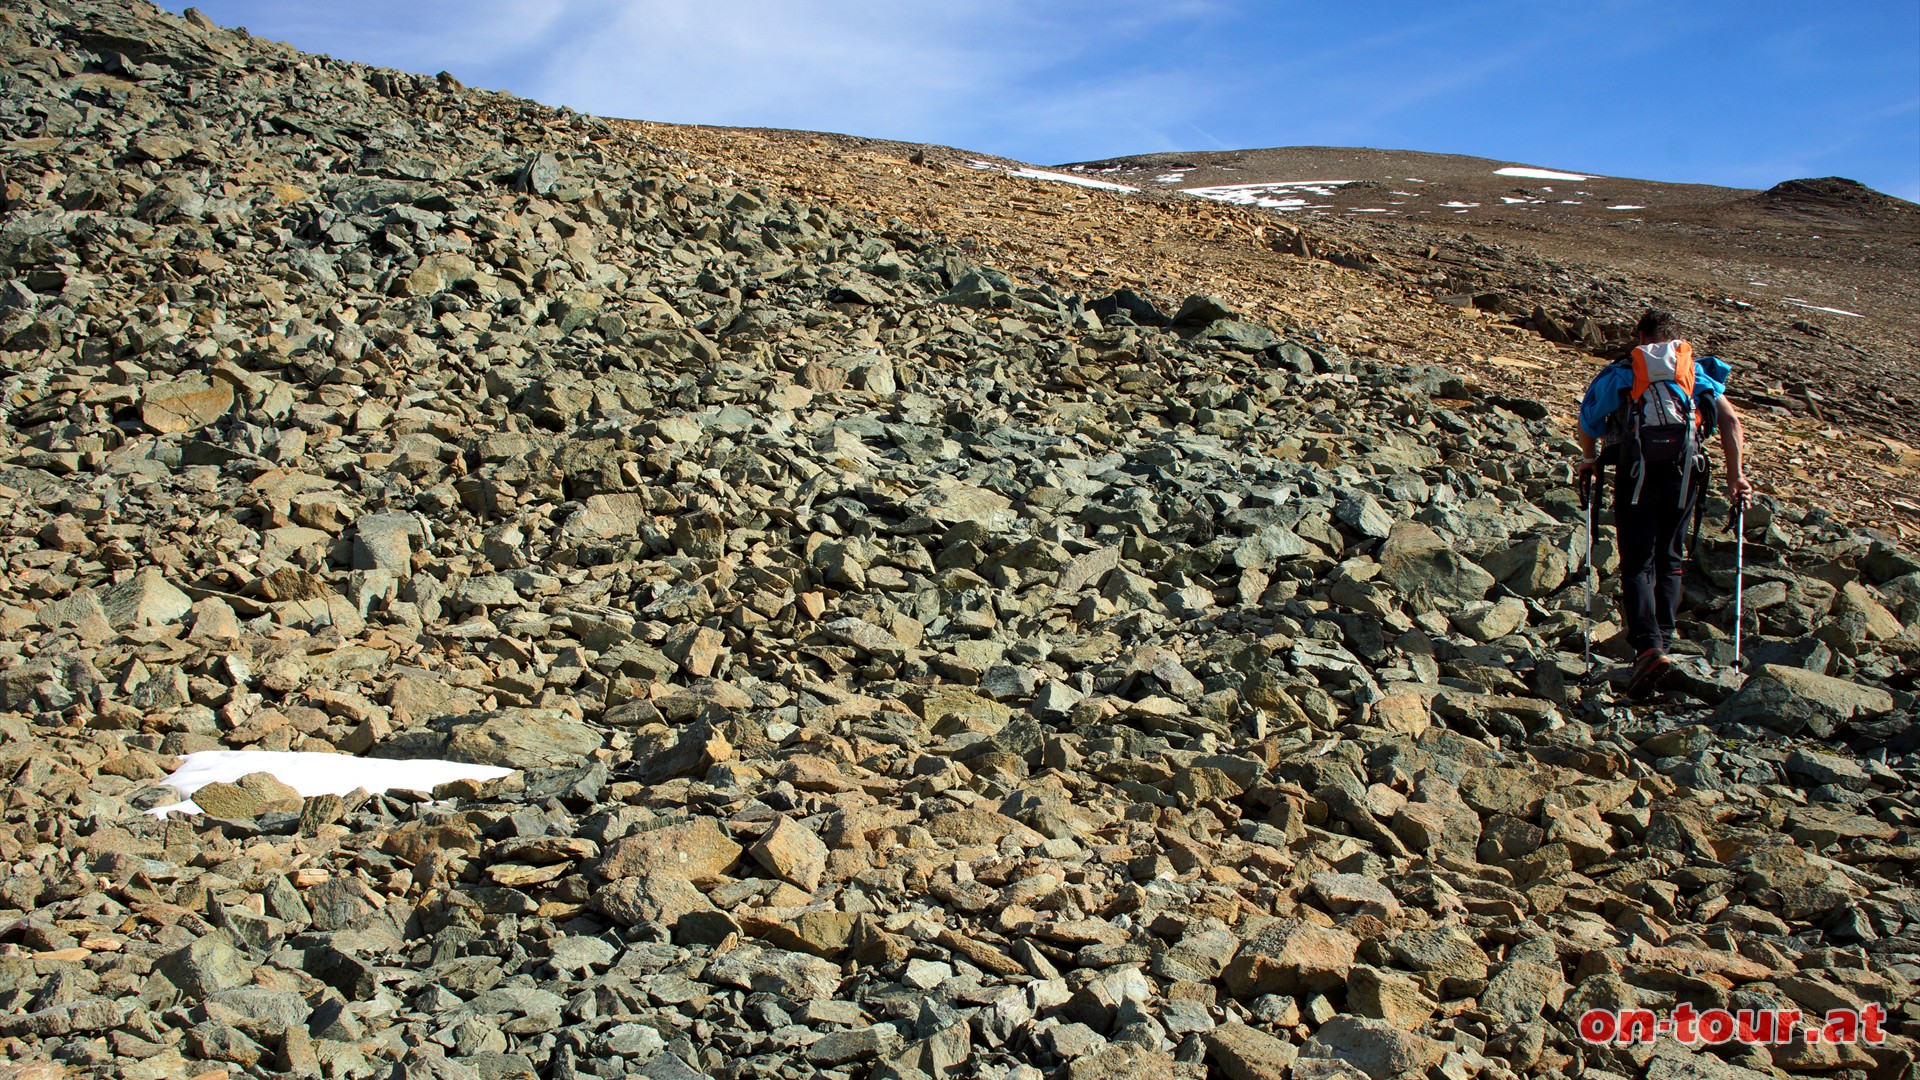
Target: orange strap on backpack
{"type": "Point", "coordinates": [1664, 361]}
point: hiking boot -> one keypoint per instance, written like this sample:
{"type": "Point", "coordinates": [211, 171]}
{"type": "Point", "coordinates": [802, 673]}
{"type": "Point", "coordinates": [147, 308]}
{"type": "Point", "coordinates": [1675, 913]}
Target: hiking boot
{"type": "Point", "coordinates": [1648, 670]}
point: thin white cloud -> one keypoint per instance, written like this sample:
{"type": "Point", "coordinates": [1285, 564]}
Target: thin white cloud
{"type": "Point", "coordinates": [1062, 80]}
{"type": "Point", "coordinates": [1003, 76]}
{"type": "Point", "coordinates": [1798, 158]}
{"type": "Point", "coordinates": [875, 67]}
{"type": "Point", "coordinates": [468, 39]}
{"type": "Point", "coordinates": [754, 62]}
{"type": "Point", "coordinates": [1128, 112]}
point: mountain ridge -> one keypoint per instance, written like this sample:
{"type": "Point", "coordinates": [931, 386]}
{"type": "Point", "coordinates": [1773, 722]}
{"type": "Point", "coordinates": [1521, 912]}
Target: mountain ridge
{"type": "Point", "coordinates": [1799, 370]}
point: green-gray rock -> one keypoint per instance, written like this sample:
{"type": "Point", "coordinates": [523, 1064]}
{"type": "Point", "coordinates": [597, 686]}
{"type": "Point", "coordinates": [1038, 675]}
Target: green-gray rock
{"type": "Point", "coordinates": [522, 739]}
{"type": "Point", "coordinates": [1790, 700]}
{"type": "Point", "coordinates": [1428, 572]}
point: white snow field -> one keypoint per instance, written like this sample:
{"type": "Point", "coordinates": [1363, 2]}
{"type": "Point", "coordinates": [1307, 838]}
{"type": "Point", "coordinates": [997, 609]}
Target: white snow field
{"type": "Point", "coordinates": [1832, 310]}
{"type": "Point", "coordinates": [1538, 174]}
{"type": "Point", "coordinates": [1268, 196]}
{"type": "Point", "coordinates": [1043, 174]}
{"type": "Point", "coordinates": [315, 774]}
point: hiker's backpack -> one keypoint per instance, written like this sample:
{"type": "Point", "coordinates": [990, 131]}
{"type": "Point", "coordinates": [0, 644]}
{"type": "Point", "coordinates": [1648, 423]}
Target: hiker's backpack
{"type": "Point", "coordinates": [1661, 425]}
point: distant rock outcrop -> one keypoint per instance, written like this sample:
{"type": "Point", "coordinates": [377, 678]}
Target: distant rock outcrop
{"type": "Point", "coordinates": [1837, 199]}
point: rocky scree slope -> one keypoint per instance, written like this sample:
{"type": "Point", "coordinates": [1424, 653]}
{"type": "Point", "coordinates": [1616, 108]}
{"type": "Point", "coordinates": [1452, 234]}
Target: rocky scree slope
{"type": "Point", "coordinates": [1577, 260]}
{"type": "Point", "coordinates": [1530, 297]}
{"type": "Point", "coordinates": [912, 670]}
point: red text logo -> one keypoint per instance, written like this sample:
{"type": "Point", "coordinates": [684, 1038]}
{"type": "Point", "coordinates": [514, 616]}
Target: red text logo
{"type": "Point", "coordinates": [1715, 1027]}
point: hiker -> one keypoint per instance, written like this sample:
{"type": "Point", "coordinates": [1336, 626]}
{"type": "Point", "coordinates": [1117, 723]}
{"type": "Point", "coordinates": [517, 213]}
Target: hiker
{"type": "Point", "coordinates": [1653, 409]}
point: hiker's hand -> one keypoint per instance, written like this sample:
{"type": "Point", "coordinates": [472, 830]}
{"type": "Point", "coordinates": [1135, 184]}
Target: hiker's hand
{"type": "Point", "coordinates": [1739, 489]}
{"type": "Point", "coordinates": [1583, 479]}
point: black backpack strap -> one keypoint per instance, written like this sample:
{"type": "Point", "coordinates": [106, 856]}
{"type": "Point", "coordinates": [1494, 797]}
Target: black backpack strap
{"type": "Point", "coordinates": [1708, 407]}
{"type": "Point", "coordinates": [1700, 505]}
{"type": "Point", "coordinates": [1617, 420]}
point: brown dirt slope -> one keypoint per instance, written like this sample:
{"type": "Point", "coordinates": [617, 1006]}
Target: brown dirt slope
{"type": "Point", "coordinates": [1528, 292]}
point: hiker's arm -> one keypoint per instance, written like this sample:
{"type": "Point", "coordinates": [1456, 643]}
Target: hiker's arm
{"type": "Point", "coordinates": [1589, 451]}
{"type": "Point", "coordinates": [1598, 403]}
{"type": "Point", "coordinates": [1739, 488]}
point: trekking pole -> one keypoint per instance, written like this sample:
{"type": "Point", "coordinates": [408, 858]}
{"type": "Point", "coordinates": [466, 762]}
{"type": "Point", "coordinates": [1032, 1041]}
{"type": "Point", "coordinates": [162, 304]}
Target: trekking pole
{"type": "Point", "coordinates": [1739, 575]}
{"type": "Point", "coordinates": [1586, 573]}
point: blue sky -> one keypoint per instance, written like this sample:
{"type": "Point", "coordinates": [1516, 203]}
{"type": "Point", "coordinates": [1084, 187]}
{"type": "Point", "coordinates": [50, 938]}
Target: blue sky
{"type": "Point", "coordinates": [1743, 94]}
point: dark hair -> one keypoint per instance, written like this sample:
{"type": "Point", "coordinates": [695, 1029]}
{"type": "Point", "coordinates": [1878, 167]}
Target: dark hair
{"type": "Point", "coordinates": [1657, 325]}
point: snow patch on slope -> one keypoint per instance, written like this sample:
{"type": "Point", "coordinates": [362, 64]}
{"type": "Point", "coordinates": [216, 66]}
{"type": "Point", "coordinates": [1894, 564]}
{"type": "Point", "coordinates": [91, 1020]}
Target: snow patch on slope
{"type": "Point", "coordinates": [1056, 177]}
{"type": "Point", "coordinates": [1277, 196]}
{"type": "Point", "coordinates": [1538, 174]}
{"type": "Point", "coordinates": [315, 774]}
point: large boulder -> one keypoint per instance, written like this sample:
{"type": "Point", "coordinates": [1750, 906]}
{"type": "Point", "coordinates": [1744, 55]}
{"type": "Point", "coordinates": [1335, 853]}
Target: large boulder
{"type": "Point", "coordinates": [1790, 700]}
{"type": "Point", "coordinates": [697, 850]}
{"type": "Point", "coordinates": [145, 599]}
{"type": "Point", "coordinates": [521, 739]}
{"type": "Point", "coordinates": [1375, 1047]}
{"type": "Point", "coordinates": [792, 975]}
{"type": "Point", "coordinates": [185, 404]}
{"type": "Point", "coordinates": [1291, 957]}
{"type": "Point", "coordinates": [1427, 572]}
{"type": "Point", "coordinates": [206, 966]}
{"type": "Point", "coordinates": [1533, 567]}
